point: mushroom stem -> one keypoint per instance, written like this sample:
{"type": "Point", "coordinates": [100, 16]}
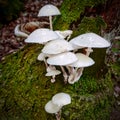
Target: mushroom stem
{"type": "Point", "coordinates": [72, 73]}
{"type": "Point", "coordinates": [75, 76]}
{"type": "Point", "coordinates": [79, 73]}
{"type": "Point", "coordinates": [88, 51]}
{"type": "Point", "coordinates": [58, 115]}
{"type": "Point", "coordinates": [46, 65]}
{"type": "Point", "coordinates": [50, 19]}
{"type": "Point", "coordinates": [68, 37]}
{"type": "Point", "coordinates": [70, 69]}
{"type": "Point", "coordinates": [65, 75]}
{"type": "Point", "coordinates": [53, 79]}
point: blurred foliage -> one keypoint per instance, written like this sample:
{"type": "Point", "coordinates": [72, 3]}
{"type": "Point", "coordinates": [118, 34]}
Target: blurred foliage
{"type": "Point", "coordinates": [10, 9]}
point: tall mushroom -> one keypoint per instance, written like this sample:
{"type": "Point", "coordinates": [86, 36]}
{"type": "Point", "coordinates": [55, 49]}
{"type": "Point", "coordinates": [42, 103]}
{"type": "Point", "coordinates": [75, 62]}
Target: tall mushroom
{"type": "Point", "coordinates": [49, 10]}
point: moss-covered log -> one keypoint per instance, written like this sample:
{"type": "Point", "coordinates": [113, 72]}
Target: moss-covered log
{"type": "Point", "coordinates": [24, 89]}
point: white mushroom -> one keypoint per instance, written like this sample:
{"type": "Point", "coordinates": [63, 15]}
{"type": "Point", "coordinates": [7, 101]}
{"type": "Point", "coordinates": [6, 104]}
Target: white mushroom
{"type": "Point", "coordinates": [61, 99]}
{"type": "Point", "coordinates": [83, 61]}
{"type": "Point", "coordinates": [55, 105]}
{"type": "Point", "coordinates": [90, 40]}
{"type": "Point", "coordinates": [62, 59]}
{"type": "Point", "coordinates": [50, 107]}
{"type": "Point", "coordinates": [19, 33]}
{"type": "Point", "coordinates": [75, 46]}
{"type": "Point", "coordinates": [64, 34]}
{"type": "Point", "coordinates": [41, 57]}
{"type": "Point", "coordinates": [49, 10]}
{"type": "Point", "coordinates": [41, 36]}
{"type": "Point", "coordinates": [57, 46]}
{"type": "Point", "coordinates": [53, 73]}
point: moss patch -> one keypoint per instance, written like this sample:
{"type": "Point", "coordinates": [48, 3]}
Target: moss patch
{"type": "Point", "coordinates": [25, 90]}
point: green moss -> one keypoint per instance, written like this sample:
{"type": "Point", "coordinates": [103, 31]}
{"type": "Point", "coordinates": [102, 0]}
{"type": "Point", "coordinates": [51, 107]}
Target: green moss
{"type": "Point", "coordinates": [90, 24]}
{"type": "Point", "coordinates": [71, 11]}
{"type": "Point", "coordinates": [25, 90]}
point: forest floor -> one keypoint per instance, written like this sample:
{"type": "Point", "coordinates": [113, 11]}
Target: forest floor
{"type": "Point", "coordinates": [9, 43]}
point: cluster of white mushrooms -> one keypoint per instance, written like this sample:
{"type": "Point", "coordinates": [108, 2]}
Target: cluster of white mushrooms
{"type": "Point", "coordinates": [55, 105]}
{"type": "Point", "coordinates": [59, 51]}
{"type": "Point", "coordinates": [60, 54]}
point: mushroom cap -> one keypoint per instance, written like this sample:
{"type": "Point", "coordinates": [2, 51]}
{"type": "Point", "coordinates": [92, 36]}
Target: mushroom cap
{"type": "Point", "coordinates": [53, 73]}
{"type": "Point", "coordinates": [41, 36]}
{"type": "Point", "coordinates": [59, 34]}
{"type": "Point", "coordinates": [75, 46]}
{"type": "Point", "coordinates": [52, 108]}
{"type": "Point", "coordinates": [83, 61]}
{"type": "Point", "coordinates": [62, 59]}
{"type": "Point", "coordinates": [49, 10]}
{"type": "Point", "coordinates": [64, 34]}
{"type": "Point", "coordinates": [41, 57]}
{"type": "Point", "coordinates": [61, 99]}
{"type": "Point", "coordinates": [57, 46]}
{"type": "Point", "coordinates": [19, 33]}
{"type": "Point", "coordinates": [90, 40]}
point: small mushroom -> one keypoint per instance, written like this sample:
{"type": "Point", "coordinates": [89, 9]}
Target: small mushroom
{"type": "Point", "coordinates": [57, 46]}
{"type": "Point", "coordinates": [83, 61]}
{"type": "Point", "coordinates": [50, 107]}
{"type": "Point", "coordinates": [53, 73]}
{"type": "Point", "coordinates": [55, 105]}
{"type": "Point", "coordinates": [49, 10]}
{"type": "Point", "coordinates": [61, 99]}
{"type": "Point", "coordinates": [63, 59]}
